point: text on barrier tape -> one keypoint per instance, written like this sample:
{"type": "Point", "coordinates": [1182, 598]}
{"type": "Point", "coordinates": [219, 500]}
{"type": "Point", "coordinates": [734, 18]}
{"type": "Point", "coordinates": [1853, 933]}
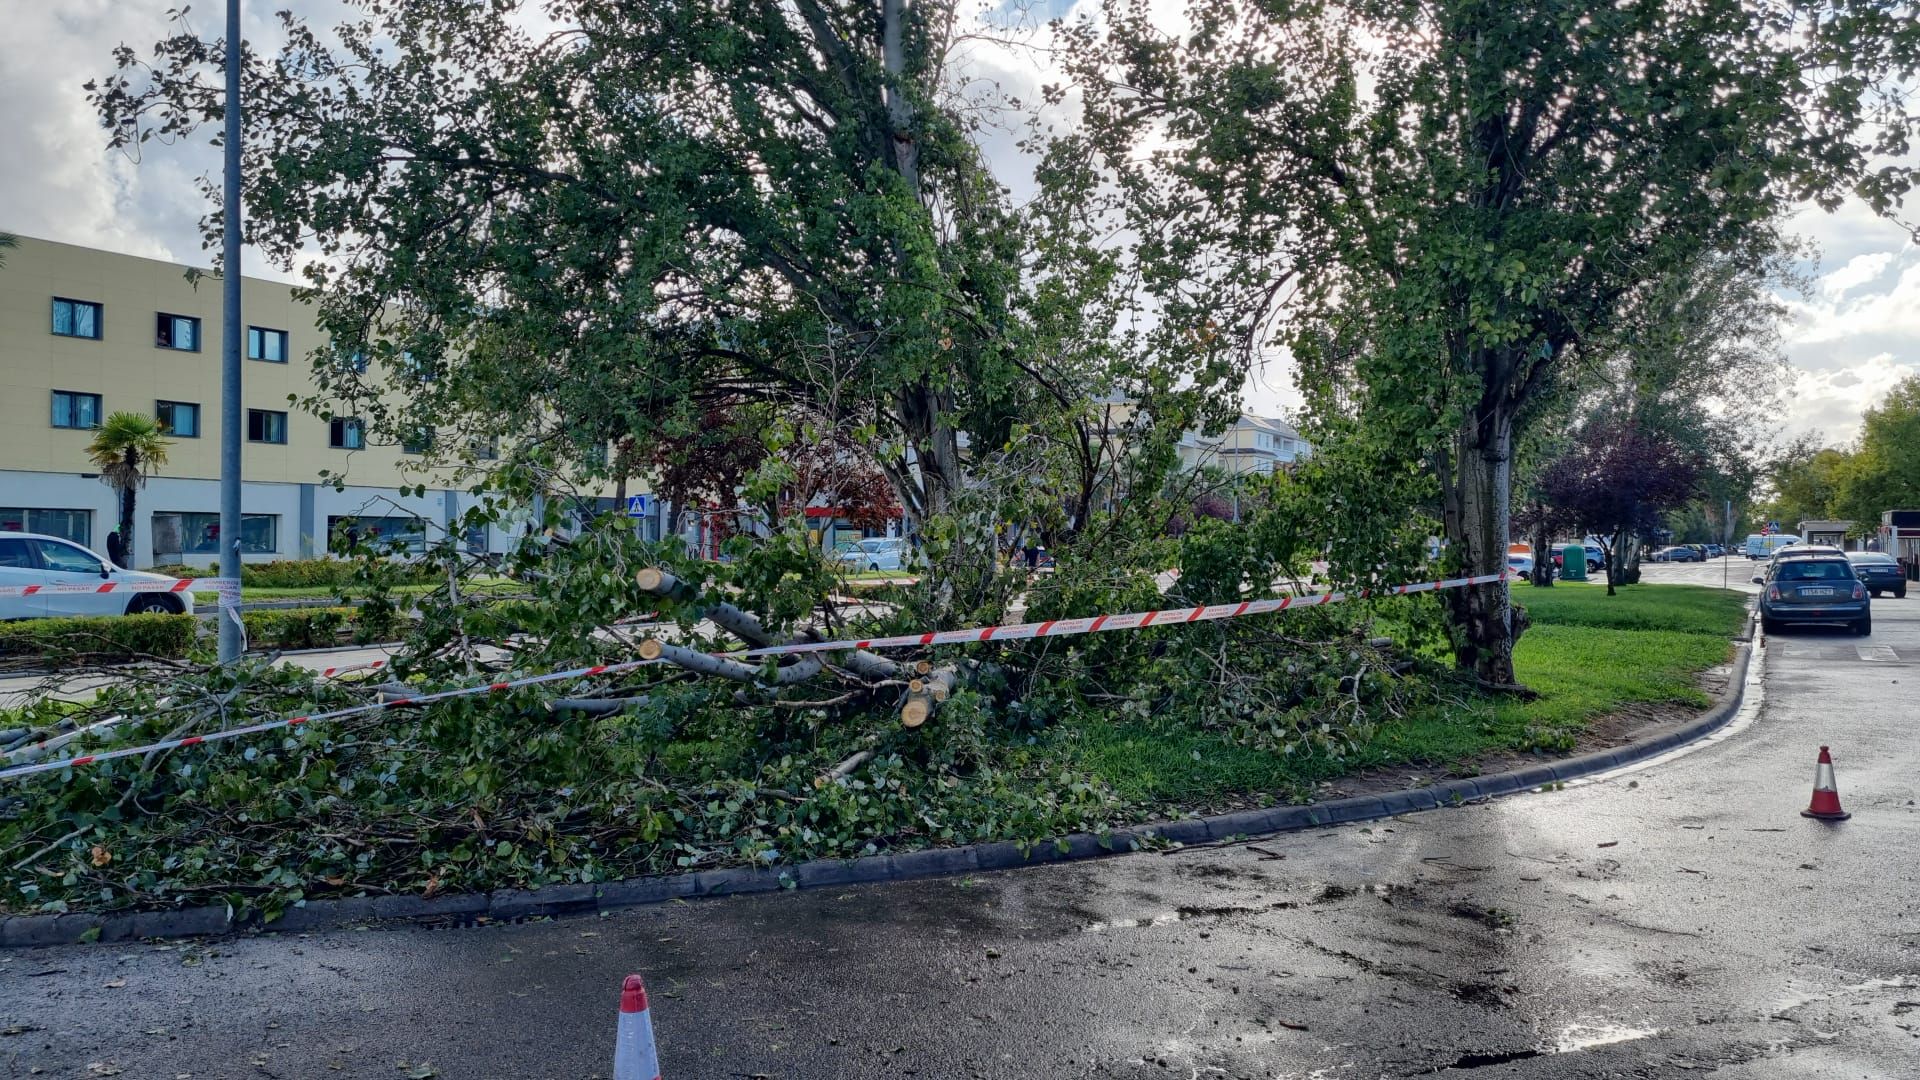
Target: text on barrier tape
{"type": "Point", "coordinates": [1054, 628]}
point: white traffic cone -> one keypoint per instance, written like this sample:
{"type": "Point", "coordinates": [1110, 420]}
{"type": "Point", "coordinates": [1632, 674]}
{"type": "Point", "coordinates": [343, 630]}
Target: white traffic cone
{"type": "Point", "coordinates": [634, 1057]}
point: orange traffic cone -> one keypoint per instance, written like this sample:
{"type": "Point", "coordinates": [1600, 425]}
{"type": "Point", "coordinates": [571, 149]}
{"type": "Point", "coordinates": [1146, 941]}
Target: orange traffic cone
{"type": "Point", "coordinates": [1826, 796]}
{"type": "Point", "coordinates": [634, 1056]}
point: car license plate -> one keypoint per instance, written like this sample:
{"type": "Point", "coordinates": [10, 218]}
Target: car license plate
{"type": "Point", "coordinates": [1817, 592]}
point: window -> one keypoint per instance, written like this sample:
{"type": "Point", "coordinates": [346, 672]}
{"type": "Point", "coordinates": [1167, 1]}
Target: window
{"type": "Point", "coordinates": [476, 540]}
{"type": "Point", "coordinates": [76, 318]}
{"type": "Point", "coordinates": [186, 532]}
{"type": "Point", "coordinates": [72, 410]}
{"type": "Point", "coordinates": [177, 332]}
{"type": "Point", "coordinates": [267, 345]}
{"type": "Point", "coordinates": [418, 443]}
{"type": "Point", "coordinates": [15, 556]}
{"type": "Point", "coordinates": [74, 525]}
{"type": "Point", "coordinates": [418, 367]}
{"type": "Point", "coordinates": [266, 426]}
{"type": "Point", "coordinates": [66, 558]}
{"type": "Point", "coordinates": [485, 447]}
{"type": "Point", "coordinates": [181, 419]}
{"type": "Point", "coordinates": [347, 433]}
{"type": "Point", "coordinates": [397, 533]}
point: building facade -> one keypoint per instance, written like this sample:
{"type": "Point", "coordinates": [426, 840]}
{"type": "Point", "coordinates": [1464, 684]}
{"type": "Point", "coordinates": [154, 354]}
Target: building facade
{"type": "Point", "coordinates": [1253, 444]}
{"type": "Point", "coordinates": [85, 333]}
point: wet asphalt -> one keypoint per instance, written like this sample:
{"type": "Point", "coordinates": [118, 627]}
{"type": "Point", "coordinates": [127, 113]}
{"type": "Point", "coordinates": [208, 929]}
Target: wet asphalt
{"type": "Point", "coordinates": [1680, 919]}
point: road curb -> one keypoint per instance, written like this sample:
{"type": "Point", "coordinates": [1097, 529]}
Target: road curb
{"type": "Point", "coordinates": [506, 905]}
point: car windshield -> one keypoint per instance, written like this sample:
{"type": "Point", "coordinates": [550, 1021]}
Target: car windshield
{"type": "Point", "coordinates": [875, 545]}
{"type": "Point", "coordinates": [1811, 570]}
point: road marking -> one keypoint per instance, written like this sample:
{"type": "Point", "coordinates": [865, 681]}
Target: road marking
{"type": "Point", "coordinates": [1882, 653]}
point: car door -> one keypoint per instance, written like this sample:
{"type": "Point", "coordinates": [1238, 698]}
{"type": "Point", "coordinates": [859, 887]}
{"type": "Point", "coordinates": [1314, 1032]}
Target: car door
{"type": "Point", "coordinates": [17, 570]}
{"type": "Point", "coordinates": [66, 564]}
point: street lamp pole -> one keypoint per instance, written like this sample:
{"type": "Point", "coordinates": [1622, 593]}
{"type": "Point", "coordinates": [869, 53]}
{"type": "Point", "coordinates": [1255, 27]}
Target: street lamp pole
{"type": "Point", "coordinates": [228, 619]}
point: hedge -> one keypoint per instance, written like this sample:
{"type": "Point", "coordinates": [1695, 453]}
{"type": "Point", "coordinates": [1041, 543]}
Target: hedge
{"type": "Point", "coordinates": [113, 637]}
{"type": "Point", "coordinates": [298, 628]}
{"type": "Point", "coordinates": [303, 573]}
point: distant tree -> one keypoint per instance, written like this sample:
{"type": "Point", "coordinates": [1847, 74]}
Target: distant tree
{"type": "Point", "coordinates": [8, 241]}
{"type": "Point", "coordinates": [1618, 481]}
{"type": "Point", "coordinates": [1884, 472]}
{"type": "Point", "coordinates": [128, 448]}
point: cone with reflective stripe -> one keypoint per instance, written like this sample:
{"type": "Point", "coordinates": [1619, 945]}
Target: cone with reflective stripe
{"type": "Point", "coordinates": [634, 1057]}
{"type": "Point", "coordinates": [1826, 796]}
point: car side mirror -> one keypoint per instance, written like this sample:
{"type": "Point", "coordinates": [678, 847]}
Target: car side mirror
{"type": "Point", "coordinates": [106, 571]}
{"type": "Point", "coordinates": [1759, 581]}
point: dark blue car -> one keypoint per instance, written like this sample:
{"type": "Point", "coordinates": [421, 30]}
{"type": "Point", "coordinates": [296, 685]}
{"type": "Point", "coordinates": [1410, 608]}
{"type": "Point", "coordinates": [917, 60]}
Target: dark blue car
{"type": "Point", "coordinates": [1879, 573]}
{"type": "Point", "coordinates": [1817, 587]}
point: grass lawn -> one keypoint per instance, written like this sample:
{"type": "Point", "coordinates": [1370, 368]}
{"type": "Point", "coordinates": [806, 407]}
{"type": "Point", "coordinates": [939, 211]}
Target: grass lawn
{"type": "Point", "coordinates": [1587, 654]}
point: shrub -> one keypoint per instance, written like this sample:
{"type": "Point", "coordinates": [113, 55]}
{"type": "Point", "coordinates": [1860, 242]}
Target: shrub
{"type": "Point", "coordinates": [298, 628]}
{"type": "Point", "coordinates": [111, 637]}
{"type": "Point", "coordinates": [306, 573]}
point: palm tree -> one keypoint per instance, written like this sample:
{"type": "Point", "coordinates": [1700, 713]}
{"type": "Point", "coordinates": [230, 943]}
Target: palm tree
{"type": "Point", "coordinates": [7, 240]}
{"type": "Point", "coordinates": [128, 448]}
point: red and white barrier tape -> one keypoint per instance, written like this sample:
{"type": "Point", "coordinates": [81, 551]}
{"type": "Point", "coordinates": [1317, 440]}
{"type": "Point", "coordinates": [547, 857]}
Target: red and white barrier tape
{"type": "Point", "coordinates": [1135, 620]}
{"type": "Point", "coordinates": [1055, 628]}
{"type": "Point", "coordinates": [179, 586]}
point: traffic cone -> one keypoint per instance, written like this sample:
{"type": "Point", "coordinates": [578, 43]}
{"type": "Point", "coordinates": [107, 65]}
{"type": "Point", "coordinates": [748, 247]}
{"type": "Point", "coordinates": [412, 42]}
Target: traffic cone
{"type": "Point", "coordinates": [1826, 796]}
{"type": "Point", "coordinates": [634, 1057]}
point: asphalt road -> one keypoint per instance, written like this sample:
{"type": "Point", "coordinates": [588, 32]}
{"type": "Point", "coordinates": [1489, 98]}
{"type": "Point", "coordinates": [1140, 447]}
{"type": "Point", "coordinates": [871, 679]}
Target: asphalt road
{"type": "Point", "coordinates": [1681, 919]}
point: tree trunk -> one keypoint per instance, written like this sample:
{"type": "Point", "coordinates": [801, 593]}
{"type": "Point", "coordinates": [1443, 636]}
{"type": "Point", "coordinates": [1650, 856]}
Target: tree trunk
{"type": "Point", "coordinates": [1477, 508]}
{"type": "Point", "coordinates": [1542, 558]}
{"type": "Point", "coordinates": [126, 507]}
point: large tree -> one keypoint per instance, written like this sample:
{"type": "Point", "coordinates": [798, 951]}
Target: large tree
{"type": "Point", "coordinates": [1471, 193]}
{"type": "Point", "coordinates": [128, 448]}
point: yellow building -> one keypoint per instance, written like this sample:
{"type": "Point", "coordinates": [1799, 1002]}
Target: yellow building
{"type": "Point", "coordinates": [84, 333]}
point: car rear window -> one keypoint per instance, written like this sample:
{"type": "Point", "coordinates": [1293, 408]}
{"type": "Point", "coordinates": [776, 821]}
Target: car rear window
{"type": "Point", "coordinates": [1812, 570]}
{"type": "Point", "coordinates": [1871, 557]}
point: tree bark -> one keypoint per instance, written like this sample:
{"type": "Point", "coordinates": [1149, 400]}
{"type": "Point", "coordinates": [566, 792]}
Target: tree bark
{"type": "Point", "coordinates": [1477, 518]}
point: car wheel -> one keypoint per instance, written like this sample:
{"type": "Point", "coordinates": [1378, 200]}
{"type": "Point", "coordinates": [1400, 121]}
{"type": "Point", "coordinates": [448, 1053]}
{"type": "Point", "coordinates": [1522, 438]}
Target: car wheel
{"type": "Point", "coordinates": [1900, 593]}
{"type": "Point", "coordinates": [873, 566]}
{"type": "Point", "coordinates": [151, 605]}
{"type": "Point", "coordinates": [1863, 626]}
{"type": "Point", "coordinates": [1769, 626]}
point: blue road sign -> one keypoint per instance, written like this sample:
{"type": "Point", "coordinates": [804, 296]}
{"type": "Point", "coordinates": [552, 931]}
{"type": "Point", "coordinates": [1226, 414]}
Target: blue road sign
{"type": "Point", "coordinates": [637, 505]}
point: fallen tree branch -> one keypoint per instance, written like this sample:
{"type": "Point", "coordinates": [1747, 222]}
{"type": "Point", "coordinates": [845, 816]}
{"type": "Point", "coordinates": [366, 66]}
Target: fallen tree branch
{"type": "Point", "coordinates": [844, 769]}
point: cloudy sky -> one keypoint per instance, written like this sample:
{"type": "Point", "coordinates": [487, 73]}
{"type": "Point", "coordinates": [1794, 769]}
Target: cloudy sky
{"type": "Point", "coordinates": [1853, 335]}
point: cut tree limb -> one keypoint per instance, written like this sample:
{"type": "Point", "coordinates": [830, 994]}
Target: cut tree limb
{"type": "Point", "coordinates": [924, 695]}
{"type": "Point", "coordinates": [806, 667]}
{"type": "Point", "coordinates": [597, 706]}
{"type": "Point", "coordinates": [844, 769]}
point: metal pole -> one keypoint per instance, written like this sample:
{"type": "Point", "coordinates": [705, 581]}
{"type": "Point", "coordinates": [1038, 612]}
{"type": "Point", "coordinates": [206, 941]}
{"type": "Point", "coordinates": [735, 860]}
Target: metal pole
{"type": "Point", "coordinates": [1726, 529]}
{"type": "Point", "coordinates": [230, 331]}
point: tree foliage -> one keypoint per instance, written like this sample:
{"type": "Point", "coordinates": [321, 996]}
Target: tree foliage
{"type": "Point", "coordinates": [1618, 482]}
{"type": "Point", "coordinates": [1471, 195]}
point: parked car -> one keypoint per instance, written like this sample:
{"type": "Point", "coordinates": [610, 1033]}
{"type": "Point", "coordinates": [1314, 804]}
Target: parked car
{"type": "Point", "coordinates": [34, 559]}
{"type": "Point", "coordinates": [1679, 553]}
{"type": "Point", "coordinates": [1879, 572]}
{"type": "Point", "coordinates": [1716, 551]}
{"type": "Point", "coordinates": [1814, 587]}
{"type": "Point", "coordinates": [1520, 558]}
{"type": "Point", "coordinates": [876, 553]}
{"type": "Point", "coordinates": [1596, 556]}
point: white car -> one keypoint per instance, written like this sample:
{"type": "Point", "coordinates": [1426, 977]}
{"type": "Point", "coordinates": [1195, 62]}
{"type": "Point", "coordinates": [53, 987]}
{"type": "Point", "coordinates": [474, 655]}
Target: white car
{"type": "Point", "coordinates": [93, 586]}
{"type": "Point", "coordinates": [876, 553]}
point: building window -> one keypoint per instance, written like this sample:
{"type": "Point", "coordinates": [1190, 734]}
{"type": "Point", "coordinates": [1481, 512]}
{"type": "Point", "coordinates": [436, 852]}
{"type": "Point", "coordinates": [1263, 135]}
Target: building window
{"type": "Point", "coordinates": [71, 410]}
{"type": "Point", "coordinates": [485, 447]}
{"type": "Point", "coordinates": [418, 443]}
{"type": "Point", "coordinates": [76, 318]}
{"type": "Point", "coordinates": [182, 532]}
{"type": "Point", "coordinates": [347, 433]}
{"type": "Point", "coordinates": [407, 534]}
{"type": "Point", "coordinates": [266, 426]}
{"type": "Point", "coordinates": [74, 525]}
{"type": "Point", "coordinates": [181, 419]}
{"type": "Point", "coordinates": [477, 540]}
{"type": "Point", "coordinates": [177, 332]}
{"type": "Point", "coordinates": [417, 367]}
{"type": "Point", "coordinates": [267, 345]}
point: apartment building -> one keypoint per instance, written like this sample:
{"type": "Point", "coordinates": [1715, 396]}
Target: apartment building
{"type": "Point", "coordinates": [85, 333]}
{"type": "Point", "coordinates": [1253, 444]}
